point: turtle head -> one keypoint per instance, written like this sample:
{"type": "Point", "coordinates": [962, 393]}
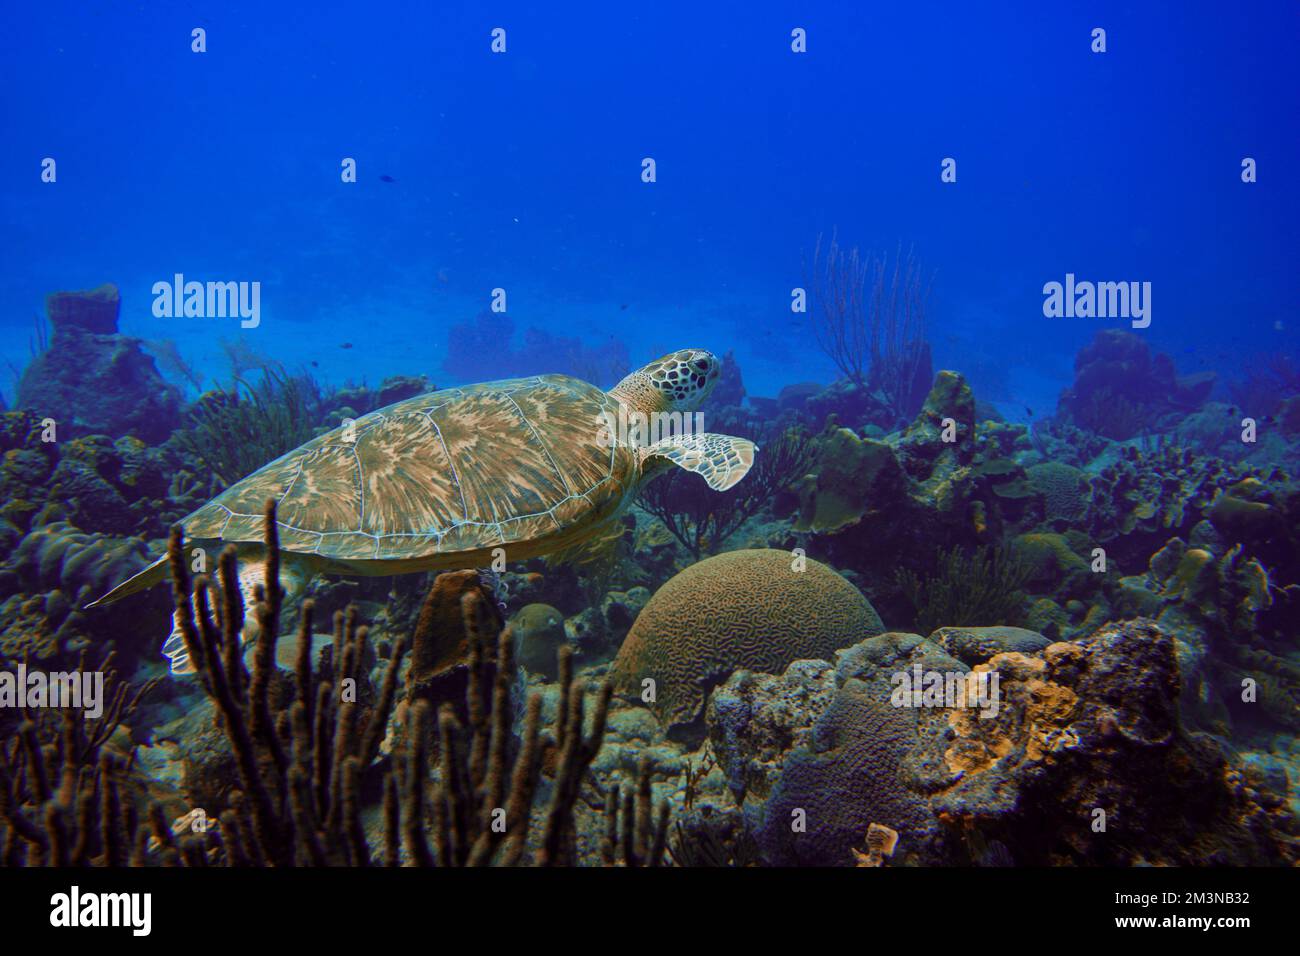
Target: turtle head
{"type": "Point", "coordinates": [678, 382]}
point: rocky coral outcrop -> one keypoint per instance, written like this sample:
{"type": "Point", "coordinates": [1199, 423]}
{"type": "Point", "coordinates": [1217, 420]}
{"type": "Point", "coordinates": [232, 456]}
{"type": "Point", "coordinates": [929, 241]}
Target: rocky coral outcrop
{"type": "Point", "coordinates": [1081, 759]}
{"type": "Point", "coordinates": [1121, 389]}
{"type": "Point", "coordinates": [49, 578]}
{"type": "Point", "coordinates": [874, 505]}
{"type": "Point", "coordinates": [353, 401]}
{"type": "Point", "coordinates": [92, 379]}
{"type": "Point", "coordinates": [975, 645]}
{"type": "Point", "coordinates": [814, 756]}
{"type": "Point", "coordinates": [1143, 497]}
{"type": "Point", "coordinates": [1230, 625]}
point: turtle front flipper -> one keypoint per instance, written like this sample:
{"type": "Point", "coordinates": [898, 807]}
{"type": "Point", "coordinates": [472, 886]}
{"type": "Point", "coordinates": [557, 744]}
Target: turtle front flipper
{"type": "Point", "coordinates": [722, 459]}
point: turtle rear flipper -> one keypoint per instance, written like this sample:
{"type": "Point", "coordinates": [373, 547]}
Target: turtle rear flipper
{"type": "Point", "coordinates": [722, 459]}
{"type": "Point", "coordinates": [295, 573]}
{"type": "Point", "coordinates": [151, 575]}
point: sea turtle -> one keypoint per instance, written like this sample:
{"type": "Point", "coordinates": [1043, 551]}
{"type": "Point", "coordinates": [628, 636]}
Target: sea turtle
{"type": "Point", "coordinates": [440, 481]}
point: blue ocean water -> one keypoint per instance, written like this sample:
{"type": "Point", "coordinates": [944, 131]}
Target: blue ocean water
{"type": "Point", "coordinates": [522, 171]}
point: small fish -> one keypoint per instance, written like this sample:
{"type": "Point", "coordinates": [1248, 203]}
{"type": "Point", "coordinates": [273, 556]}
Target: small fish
{"type": "Point", "coordinates": [623, 307]}
{"type": "Point", "coordinates": [315, 364]}
{"type": "Point", "coordinates": [387, 178]}
{"type": "Point", "coordinates": [346, 345]}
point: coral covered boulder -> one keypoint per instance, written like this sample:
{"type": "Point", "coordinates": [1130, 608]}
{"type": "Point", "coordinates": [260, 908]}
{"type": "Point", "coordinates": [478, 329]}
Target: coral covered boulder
{"type": "Point", "coordinates": [973, 645]}
{"type": "Point", "coordinates": [94, 380]}
{"type": "Point", "coordinates": [849, 475]}
{"type": "Point", "coordinates": [754, 610]}
{"type": "Point", "coordinates": [1068, 754]}
{"type": "Point", "coordinates": [816, 755]}
{"type": "Point", "coordinates": [47, 579]}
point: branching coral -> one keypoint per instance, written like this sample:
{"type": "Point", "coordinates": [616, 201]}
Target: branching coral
{"type": "Point", "coordinates": [702, 519]}
{"type": "Point", "coordinates": [67, 796]}
{"type": "Point", "coordinates": [971, 590]}
{"type": "Point", "coordinates": [302, 757]}
{"type": "Point", "coordinates": [870, 320]}
{"type": "Point", "coordinates": [235, 432]}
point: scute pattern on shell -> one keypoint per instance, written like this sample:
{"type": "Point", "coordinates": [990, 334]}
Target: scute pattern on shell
{"type": "Point", "coordinates": [741, 609]}
{"type": "Point", "coordinates": [450, 471]}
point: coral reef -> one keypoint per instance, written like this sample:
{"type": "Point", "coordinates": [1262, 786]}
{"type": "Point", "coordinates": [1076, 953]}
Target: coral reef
{"type": "Point", "coordinates": [52, 574]}
{"type": "Point", "coordinates": [69, 795]}
{"type": "Point", "coordinates": [352, 401]}
{"type": "Point", "coordinates": [121, 487]}
{"type": "Point", "coordinates": [975, 645]}
{"type": "Point", "coordinates": [1144, 497]}
{"type": "Point", "coordinates": [1124, 575]}
{"type": "Point", "coordinates": [1231, 625]}
{"type": "Point", "coordinates": [813, 765]}
{"type": "Point", "coordinates": [875, 505]}
{"type": "Point", "coordinates": [306, 748]}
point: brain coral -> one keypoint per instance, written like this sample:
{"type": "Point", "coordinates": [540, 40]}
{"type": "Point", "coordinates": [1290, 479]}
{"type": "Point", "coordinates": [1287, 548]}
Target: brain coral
{"type": "Point", "coordinates": [740, 610]}
{"type": "Point", "coordinates": [1064, 489]}
{"type": "Point", "coordinates": [848, 776]}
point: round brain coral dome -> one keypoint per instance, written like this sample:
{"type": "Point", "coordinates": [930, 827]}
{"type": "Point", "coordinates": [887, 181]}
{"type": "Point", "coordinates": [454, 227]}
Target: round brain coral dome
{"type": "Point", "coordinates": [757, 609]}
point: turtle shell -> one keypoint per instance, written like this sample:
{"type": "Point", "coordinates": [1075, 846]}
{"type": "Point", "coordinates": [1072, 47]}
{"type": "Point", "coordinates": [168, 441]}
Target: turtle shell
{"type": "Point", "coordinates": [428, 481]}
